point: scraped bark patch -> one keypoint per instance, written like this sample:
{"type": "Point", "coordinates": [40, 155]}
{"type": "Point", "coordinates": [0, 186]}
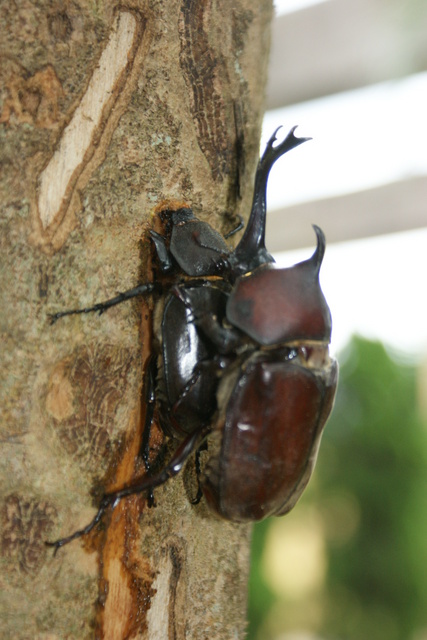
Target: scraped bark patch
{"type": "Point", "coordinates": [167, 616]}
{"type": "Point", "coordinates": [83, 143]}
{"type": "Point", "coordinates": [126, 575]}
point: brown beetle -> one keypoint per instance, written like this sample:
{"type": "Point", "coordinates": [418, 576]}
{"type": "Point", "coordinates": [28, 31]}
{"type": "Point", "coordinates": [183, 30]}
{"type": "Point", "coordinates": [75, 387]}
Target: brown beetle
{"type": "Point", "coordinates": [274, 408]}
{"type": "Point", "coordinates": [242, 361]}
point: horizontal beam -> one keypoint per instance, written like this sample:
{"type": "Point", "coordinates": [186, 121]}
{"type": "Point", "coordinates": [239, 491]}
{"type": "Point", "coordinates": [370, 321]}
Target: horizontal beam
{"type": "Point", "coordinates": [337, 46]}
{"type": "Point", "coordinates": [394, 207]}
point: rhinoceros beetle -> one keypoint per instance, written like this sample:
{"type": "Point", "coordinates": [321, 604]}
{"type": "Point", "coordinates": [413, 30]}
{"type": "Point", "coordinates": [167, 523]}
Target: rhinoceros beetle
{"type": "Point", "coordinates": [241, 361]}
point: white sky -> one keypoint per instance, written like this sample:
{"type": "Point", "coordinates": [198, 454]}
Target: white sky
{"type": "Point", "coordinates": [376, 287]}
{"type": "Point", "coordinates": [287, 6]}
{"type": "Point", "coordinates": [361, 139]}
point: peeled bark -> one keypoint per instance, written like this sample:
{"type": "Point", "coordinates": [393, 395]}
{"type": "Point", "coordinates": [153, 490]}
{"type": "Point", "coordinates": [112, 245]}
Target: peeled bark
{"type": "Point", "coordinates": [108, 112]}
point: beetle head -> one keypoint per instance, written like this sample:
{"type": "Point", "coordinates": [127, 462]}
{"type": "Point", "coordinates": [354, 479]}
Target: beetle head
{"type": "Point", "coordinates": [276, 306]}
{"type": "Point", "coordinates": [182, 215]}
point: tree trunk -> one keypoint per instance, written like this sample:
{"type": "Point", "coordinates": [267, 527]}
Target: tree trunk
{"type": "Point", "coordinates": [108, 112]}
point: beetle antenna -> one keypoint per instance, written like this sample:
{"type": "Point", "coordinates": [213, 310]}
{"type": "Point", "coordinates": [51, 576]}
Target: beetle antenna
{"type": "Point", "coordinates": [251, 251]}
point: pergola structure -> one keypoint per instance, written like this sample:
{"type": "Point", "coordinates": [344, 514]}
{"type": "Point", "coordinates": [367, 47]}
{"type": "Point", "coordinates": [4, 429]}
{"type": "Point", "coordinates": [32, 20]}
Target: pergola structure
{"type": "Point", "coordinates": [337, 46]}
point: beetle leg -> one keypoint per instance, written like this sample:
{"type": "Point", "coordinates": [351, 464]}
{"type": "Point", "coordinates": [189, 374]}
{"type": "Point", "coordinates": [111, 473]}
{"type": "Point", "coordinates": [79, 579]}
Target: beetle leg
{"type": "Point", "coordinates": [100, 307]}
{"type": "Point", "coordinates": [194, 440]}
{"type": "Point", "coordinates": [217, 364]}
{"type": "Point", "coordinates": [80, 532]}
{"type": "Point", "coordinates": [163, 254]}
{"type": "Point", "coordinates": [236, 229]}
{"type": "Point", "coordinates": [182, 295]}
{"type": "Point", "coordinates": [199, 493]}
{"type": "Point", "coordinates": [226, 339]}
{"type": "Point", "coordinates": [179, 458]}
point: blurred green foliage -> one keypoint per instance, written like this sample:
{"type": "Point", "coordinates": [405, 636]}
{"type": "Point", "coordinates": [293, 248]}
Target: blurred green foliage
{"type": "Point", "coordinates": [370, 491]}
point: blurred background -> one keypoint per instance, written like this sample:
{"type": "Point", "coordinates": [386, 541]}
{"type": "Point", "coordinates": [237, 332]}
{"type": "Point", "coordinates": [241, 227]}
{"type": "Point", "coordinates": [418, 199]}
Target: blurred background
{"type": "Point", "coordinates": [350, 561]}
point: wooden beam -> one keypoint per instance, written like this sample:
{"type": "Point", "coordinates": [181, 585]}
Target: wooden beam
{"type": "Point", "coordinates": [398, 206]}
{"type": "Point", "coordinates": [338, 46]}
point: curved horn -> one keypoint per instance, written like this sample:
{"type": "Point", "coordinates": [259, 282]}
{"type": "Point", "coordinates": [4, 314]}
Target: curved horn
{"type": "Point", "coordinates": [317, 257]}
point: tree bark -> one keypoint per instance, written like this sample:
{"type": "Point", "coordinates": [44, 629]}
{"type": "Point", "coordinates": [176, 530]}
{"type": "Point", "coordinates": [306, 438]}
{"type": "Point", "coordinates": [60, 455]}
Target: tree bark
{"type": "Point", "coordinates": [108, 112]}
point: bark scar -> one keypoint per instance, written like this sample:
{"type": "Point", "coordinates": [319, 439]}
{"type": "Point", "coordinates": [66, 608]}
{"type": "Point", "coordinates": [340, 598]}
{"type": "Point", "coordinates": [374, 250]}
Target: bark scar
{"type": "Point", "coordinates": [83, 143]}
{"type": "Point", "coordinates": [199, 65]}
{"type": "Point", "coordinates": [167, 617]}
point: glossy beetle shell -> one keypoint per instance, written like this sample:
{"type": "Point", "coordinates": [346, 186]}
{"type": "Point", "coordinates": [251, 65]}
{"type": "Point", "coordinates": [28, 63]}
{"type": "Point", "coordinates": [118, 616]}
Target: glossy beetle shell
{"type": "Point", "coordinates": [271, 432]}
{"type": "Point", "coordinates": [182, 352]}
{"type": "Point", "coordinates": [195, 245]}
{"type": "Point", "coordinates": [275, 306]}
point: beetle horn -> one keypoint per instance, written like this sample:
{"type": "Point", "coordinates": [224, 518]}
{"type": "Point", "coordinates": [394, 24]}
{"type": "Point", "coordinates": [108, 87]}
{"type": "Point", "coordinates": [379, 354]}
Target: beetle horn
{"type": "Point", "coordinates": [317, 257]}
{"type": "Point", "coordinates": [251, 251]}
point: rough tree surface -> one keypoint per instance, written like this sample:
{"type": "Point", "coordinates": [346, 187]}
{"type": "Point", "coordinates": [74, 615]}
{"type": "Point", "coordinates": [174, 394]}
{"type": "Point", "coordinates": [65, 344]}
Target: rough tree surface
{"type": "Point", "coordinates": [107, 111]}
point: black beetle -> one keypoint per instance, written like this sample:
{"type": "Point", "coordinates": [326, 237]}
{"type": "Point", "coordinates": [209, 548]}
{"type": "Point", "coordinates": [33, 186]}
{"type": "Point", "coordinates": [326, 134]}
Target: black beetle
{"type": "Point", "coordinates": [242, 354]}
